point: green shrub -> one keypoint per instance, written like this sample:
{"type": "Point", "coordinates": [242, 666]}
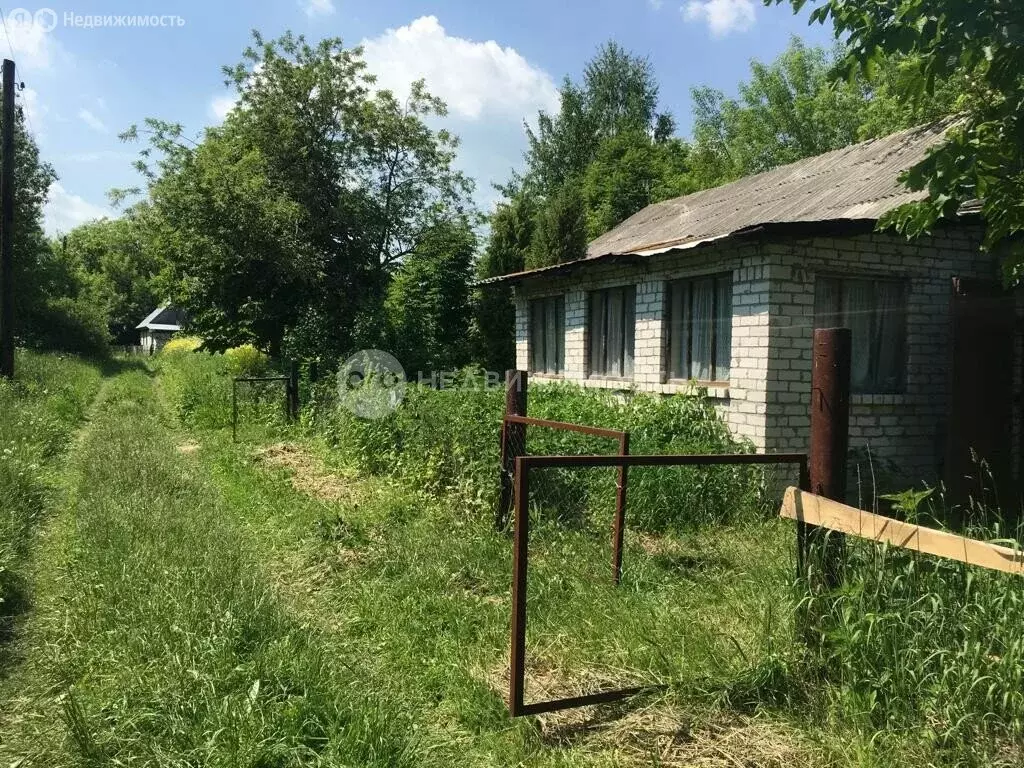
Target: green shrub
{"type": "Point", "coordinates": [448, 442]}
{"type": "Point", "coordinates": [67, 325]}
{"type": "Point", "coordinates": [246, 360]}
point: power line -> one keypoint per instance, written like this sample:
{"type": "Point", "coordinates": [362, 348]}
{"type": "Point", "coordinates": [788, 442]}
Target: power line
{"type": "Point", "coordinates": [10, 45]}
{"type": "Point", "coordinates": [10, 48]}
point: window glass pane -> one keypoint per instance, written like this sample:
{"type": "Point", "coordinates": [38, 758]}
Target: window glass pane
{"type": "Point", "coordinates": [676, 331]}
{"type": "Point", "coordinates": [629, 320]}
{"type": "Point", "coordinates": [723, 340]}
{"type": "Point", "coordinates": [597, 332]}
{"type": "Point", "coordinates": [702, 317]}
{"type": "Point", "coordinates": [888, 352]}
{"type": "Point", "coordinates": [550, 335]}
{"type": "Point", "coordinates": [560, 334]}
{"type": "Point", "coordinates": [536, 341]}
{"type": "Point", "coordinates": [858, 313]}
{"type": "Point", "coordinates": [826, 303]}
{"type": "Point", "coordinates": [616, 332]}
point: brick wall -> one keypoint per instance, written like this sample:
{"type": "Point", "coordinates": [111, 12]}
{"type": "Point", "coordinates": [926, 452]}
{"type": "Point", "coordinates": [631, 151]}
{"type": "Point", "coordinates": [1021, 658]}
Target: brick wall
{"type": "Point", "coordinates": [768, 396]}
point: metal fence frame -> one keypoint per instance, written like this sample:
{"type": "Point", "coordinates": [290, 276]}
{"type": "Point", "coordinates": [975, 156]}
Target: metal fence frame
{"type": "Point", "coordinates": [619, 525]}
{"type": "Point", "coordinates": [520, 557]}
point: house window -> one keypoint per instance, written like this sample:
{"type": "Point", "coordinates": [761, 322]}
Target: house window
{"type": "Point", "coordinates": [611, 326]}
{"type": "Point", "coordinates": [876, 312]}
{"type": "Point", "coordinates": [547, 335]}
{"type": "Point", "coordinates": [700, 328]}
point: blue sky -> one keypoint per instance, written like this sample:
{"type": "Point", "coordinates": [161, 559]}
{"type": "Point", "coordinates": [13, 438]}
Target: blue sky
{"type": "Point", "coordinates": [494, 63]}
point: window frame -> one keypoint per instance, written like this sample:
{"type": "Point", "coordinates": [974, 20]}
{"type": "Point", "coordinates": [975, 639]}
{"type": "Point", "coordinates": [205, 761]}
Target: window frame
{"type": "Point", "coordinates": [627, 355]}
{"type": "Point", "coordinates": [840, 278]}
{"type": "Point", "coordinates": [675, 327]}
{"type": "Point", "coordinates": [543, 303]}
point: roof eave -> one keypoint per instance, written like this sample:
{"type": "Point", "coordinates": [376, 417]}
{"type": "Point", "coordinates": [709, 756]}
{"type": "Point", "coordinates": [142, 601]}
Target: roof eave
{"type": "Point", "coordinates": [823, 227]}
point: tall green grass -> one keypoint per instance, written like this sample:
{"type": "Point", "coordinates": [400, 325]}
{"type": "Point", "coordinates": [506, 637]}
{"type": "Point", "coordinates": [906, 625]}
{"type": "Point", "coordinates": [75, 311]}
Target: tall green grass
{"type": "Point", "coordinates": [39, 410]}
{"type": "Point", "coordinates": [168, 645]}
{"type": "Point", "coordinates": [913, 661]}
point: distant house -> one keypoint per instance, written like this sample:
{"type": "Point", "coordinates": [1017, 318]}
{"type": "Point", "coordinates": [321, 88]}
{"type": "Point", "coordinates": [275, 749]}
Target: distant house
{"type": "Point", "coordinates": [721, 289]}
{"type": "Point", "coordinates": [158, 327]}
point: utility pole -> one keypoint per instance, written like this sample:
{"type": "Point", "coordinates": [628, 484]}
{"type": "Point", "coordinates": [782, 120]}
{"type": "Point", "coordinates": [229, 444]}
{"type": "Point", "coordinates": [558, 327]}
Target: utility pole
{"type": "Point", "coordinates": [7, 224]}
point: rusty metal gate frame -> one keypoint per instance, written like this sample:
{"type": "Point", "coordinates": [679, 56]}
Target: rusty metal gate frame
{"type": "Point", "coordinates": [523, 464]}
{"type": "Point", "coordinates": [619, 525]}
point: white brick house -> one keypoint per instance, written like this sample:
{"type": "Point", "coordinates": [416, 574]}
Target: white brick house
{"type": "Point", "coordinates": [722, 289]}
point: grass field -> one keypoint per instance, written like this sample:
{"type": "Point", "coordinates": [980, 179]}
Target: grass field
{"type": "Point", "coordinates": [200, 602]}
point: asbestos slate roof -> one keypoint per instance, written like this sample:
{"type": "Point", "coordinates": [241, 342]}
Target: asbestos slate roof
{"type": "Point", "coordinates": [162, 319]}
{"type": "Point", "coordinates": [856, 183]}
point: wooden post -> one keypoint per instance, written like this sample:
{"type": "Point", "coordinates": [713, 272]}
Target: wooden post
{"type": "Point", "coordinates": [513, 442]}
{"type": "Point", "coordinates": [830, 436]}
{"type": "Point", "coordinates": [7, 224]}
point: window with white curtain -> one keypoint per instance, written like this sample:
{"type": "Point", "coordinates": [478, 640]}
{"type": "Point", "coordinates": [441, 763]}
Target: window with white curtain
{"type": "Point", "coordinates": [547, 335]}
{"type": "Point", "coordinates": [611, 325]}
{"type": "Point", "coordinates": [876, 313]}
{"type": "Point", "coordinates": [700, 328]}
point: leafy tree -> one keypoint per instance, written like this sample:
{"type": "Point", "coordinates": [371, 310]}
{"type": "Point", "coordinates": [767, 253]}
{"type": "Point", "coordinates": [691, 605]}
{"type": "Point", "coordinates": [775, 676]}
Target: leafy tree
{"type": "Point", "coordinates": [560, 230]}
{"type": "Point", "coordinates": [787, 111]}
{"type": "Point", "coordinates": [796, 107]}
{"type": "Point", "coordinates": [512, 227]}
{"type": "Point", "coordinates": [629, 173]}
{"type": "Point", "coordinates": [622, 93]}
{"type": "Point", "coordinates": [50, 309]}
{"type": "Point", "coordinates": [983, 155]}
{"type": "Point", "coordinates": [428, 302]}
{"type": "Point", "coordinates": [287, 223]}
{"type": "Point", "coordinates": [619, 94]}
{"type": "Point", "coordinates": [118, 271]}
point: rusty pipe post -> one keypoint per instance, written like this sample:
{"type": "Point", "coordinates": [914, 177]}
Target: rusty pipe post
{"type": "Point", "coordinates": [513, 442]}
{"type": "Point", "coordinates": [830, 437]}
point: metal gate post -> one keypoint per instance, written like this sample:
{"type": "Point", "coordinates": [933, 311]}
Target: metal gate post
{"type": "Point", "coordinates": [619, 531]}
{"type": "Point", "coordinates": [830, 437]}
{"type": "Point", "coordinates": [293, 391]}
{"type": "Point", "coordinates": [513, 441]}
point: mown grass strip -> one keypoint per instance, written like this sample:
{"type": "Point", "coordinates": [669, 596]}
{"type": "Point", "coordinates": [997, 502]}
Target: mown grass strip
{"type": "Point", "coordinates": [166, 647]}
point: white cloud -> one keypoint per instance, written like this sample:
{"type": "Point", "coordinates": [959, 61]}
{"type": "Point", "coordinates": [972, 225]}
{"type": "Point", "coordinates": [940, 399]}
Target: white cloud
{"type": "Point", "coordinates": [471, 77]}
{"type": "Point", "coordinates": [656, 4]}
{"type": "Point", "coordinates": [318, 7]}
{"type": "Point", "coordinates": [220, 106]}
{"type": "Point", "coordinates": [92, 121]}
{"type": "Point", "coordinates": [722, 16]}
{"type": "Point", "coordinates": [33, 46]}
{"type": "Point", "coordinates": [65, 211]}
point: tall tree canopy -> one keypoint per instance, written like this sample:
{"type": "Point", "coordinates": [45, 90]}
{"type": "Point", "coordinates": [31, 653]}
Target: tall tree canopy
{"type": "Point", "coordinates": [983, 156]}
{"type": "Point", "coordinates": [609, 120]}
{"type": "Point", "coordinates": [286, 225]}
{"type": "Point", "coordinates": [795, 107]}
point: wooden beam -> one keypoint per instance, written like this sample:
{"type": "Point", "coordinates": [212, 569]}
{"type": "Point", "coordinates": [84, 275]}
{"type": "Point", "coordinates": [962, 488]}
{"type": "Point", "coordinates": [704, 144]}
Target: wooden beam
{"type": "Point", "coordinates": [825, 513]}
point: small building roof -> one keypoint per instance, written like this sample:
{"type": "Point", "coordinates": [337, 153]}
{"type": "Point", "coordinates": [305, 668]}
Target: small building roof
{"type": "Point", "coordinates": [162, 319]}
{"type": "Point", "coordinates": [859, 183]}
